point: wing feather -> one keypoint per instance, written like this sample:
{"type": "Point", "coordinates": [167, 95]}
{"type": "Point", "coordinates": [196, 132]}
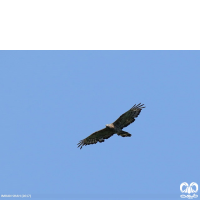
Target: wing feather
{"type": "Point", "coordinates": [97, 136]}
{"type": "Point", "coordinates": [128, 117]}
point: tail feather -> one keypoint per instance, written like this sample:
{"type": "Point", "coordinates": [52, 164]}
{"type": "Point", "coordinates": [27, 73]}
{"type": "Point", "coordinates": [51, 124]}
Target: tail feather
{"type": "Point", "coordinates": [124, 134]}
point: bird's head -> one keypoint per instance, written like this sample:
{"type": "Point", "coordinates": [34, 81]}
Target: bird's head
{"type": "Point", "coordinates": [107, 125]}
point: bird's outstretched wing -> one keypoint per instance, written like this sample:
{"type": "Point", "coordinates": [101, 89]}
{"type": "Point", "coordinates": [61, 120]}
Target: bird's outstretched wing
{"type": "Point", "coordinates": [128, 117]}
{"type": "Point", "coordinates": [97, 136]}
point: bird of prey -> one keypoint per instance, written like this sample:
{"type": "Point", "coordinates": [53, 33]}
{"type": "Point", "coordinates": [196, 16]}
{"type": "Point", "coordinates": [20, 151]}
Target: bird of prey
{"type": "Point", "coordinates": [116, 127]}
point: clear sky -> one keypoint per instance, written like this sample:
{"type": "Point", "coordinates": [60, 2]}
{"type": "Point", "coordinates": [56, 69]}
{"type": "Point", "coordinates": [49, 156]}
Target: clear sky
{"type": "Point", "coordinates": [50, 100]}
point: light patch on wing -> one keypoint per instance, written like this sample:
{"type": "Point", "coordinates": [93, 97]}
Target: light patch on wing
{"type": "Point", "coordinates": [101, 140]}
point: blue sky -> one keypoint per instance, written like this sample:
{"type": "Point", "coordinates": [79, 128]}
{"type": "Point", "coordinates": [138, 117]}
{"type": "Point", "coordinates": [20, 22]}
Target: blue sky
{"type": "Point", "coordinates": [52, 99]}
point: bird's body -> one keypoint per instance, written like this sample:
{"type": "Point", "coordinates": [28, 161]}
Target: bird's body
{"type": "Point", "coordinates": [114, 128]}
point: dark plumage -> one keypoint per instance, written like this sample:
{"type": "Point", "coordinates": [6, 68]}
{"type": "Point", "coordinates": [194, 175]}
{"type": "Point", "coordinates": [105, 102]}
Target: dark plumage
{"type": "Point", "coordinates": [116, 127]}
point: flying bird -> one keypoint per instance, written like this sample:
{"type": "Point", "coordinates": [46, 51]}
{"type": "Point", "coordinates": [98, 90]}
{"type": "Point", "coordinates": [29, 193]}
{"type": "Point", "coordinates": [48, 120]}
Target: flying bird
{"type": "Point", "coordinates": [114, 128]}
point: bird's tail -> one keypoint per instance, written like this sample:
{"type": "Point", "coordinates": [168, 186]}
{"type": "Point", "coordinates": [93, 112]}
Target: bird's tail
{"type": "Point", "coordinates": [124, 134]}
